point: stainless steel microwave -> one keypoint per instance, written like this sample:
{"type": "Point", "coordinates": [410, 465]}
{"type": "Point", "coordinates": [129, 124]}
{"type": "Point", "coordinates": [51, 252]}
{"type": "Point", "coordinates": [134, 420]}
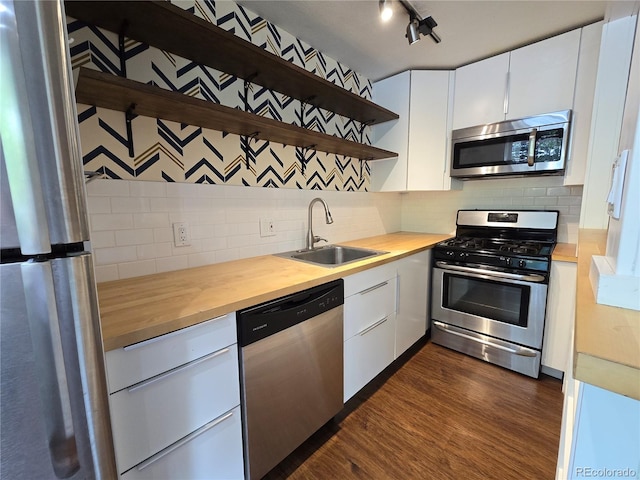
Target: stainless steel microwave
{"type": "Point", "coordinates": [532, 145]}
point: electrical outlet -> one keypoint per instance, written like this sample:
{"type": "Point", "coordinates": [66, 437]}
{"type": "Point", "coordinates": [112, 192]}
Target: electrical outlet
{"type": "Point", "coordinates": [181, 235]}
{"type": "Point", "coordinates": [266, 227]}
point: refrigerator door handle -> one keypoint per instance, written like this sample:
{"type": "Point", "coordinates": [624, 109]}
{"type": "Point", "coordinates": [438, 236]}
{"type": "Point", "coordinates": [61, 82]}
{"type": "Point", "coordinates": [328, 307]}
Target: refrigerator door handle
{"type": "Point", "coordinates": [50, 369]}
{"type": "Point", "coordinates": [18, 143]}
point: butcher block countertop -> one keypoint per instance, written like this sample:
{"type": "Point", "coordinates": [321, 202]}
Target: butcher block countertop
{"type": "Point", "coordinates": [607, 339]}
{"type": "Point", "coordinates": [565, 252]}
{"type": "Point", "coordinates": [136, 309]}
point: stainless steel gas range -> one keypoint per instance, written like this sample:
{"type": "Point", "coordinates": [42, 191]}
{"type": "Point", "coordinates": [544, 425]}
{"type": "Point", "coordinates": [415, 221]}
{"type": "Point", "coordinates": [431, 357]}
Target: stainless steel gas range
{"type": "Point", "coordinates": [489, 288]}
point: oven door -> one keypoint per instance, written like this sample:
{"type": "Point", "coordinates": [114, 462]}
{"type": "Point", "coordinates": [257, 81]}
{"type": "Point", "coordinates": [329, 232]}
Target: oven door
{"type": "Point", "coordinates": [501, 305]}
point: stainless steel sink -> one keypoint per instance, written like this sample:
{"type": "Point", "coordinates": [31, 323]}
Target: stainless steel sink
{"type": "Point", "coordinates": [331, 255]}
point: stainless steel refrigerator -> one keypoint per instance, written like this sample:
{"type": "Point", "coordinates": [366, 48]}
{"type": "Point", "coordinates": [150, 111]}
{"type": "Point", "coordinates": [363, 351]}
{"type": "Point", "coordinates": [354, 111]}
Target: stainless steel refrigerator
{"type": "Point", "coordinates": [53, 397]}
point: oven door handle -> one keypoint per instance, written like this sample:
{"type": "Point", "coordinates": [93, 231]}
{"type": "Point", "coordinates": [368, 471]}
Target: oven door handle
{"type": "Point", "coordinates": [483, 271]}
{"type": "Point", "coordinates": [523, 352]}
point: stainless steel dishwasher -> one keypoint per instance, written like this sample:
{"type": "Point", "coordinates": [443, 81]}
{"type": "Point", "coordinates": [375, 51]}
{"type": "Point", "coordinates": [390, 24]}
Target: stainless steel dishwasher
{"type": "Point", "coordinates": [291, 364]}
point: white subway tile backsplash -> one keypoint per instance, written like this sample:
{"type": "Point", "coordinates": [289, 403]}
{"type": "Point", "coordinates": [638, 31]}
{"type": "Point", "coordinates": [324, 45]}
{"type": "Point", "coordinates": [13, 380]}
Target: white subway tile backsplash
{"type": "Point", "coordinates": [129, 205]}
{"type": "Point", "coordinates": [436, 211]}
{"type": "Point", "coordinates": [558, 191]}
{"type": "Point", "coordinates": [108, 188]}
{"type": "Point", "coordinates": [546, 201]}
{"type": "Point", "coordinates": [138, 236]}
{"type": "Point", "coordinates": [224, 219]}
{"type": "Point", "coordinates": [169, 264]}
{"type": "Point", "coordinates": [111, 221]}
{"type": "Point", "coordinates": [163, 235]}
{"type": "Point", "coordinates": [200, 259]}
{"type": "Point", "coordinates": [98, 205]}
{"type": "Point", "coordinates": [102, 239]}
{"type": "Point", "coordinates": [115, 255]}
{"type": "Point", "coordinates": [106, 273]}
{"type": "Point", "coordinates": [151, 220]}
{"type": "Point", "coordinates": [535, 191]}
{"type": "Point", "coordinates": [137, 269]}
{"type": "Point", "coordinates": [148, 189]}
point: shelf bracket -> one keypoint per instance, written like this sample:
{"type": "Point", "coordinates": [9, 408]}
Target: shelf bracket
{"type": "Point", "coordinates": [364, 125]}
{"type": "Point", "coordinates": [128, 115]}
{"type": "Point", "coordinates": [121, 50]}
{"type": "Point", "coordinates": [251, 136]}
{"type": "Point", "coordinates": [305, 150]}
{"type": "Point", "coordinates": [247, 86]}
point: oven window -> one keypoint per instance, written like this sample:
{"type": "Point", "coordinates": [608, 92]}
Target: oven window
{"type": "Point", "coordinates": [503, 302]}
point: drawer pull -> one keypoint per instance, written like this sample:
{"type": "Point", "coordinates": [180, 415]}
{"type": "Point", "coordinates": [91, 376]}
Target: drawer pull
{"type": "Point", "coordinates": [168, 373]}
{"type": "Point", "coordinates": [371, 327]}
{"type": "Point", "coordinates": [181, 442]}
{"type": "Point", "coordinates": [144, 343]}
{"type": "Point", "coordinates": [375, 287]}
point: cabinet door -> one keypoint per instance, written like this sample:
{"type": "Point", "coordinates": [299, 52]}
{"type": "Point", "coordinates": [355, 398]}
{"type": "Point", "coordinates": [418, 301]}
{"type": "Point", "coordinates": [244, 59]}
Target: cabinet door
{"type": "Point", "coordinates": [367, 353]}
{"type": "Point", "coordinates": [479, 94]}
{"type": "Point", "coordinates": [583, 104]}
{"type": "Point", "coordinates": [428, 131]}
{"type": "Point", "coordinates": [413, 288]}
{"type": "Point", "coordinates": [157, 412]}
{"type": "Point", "coordinates": [542, 76]}
{"type": "Point", "coordinates": [213, 452]}
{"type": "Point", "coordinates": [556, 346]}
{"type": "Point", "coordinates": [392, 93]}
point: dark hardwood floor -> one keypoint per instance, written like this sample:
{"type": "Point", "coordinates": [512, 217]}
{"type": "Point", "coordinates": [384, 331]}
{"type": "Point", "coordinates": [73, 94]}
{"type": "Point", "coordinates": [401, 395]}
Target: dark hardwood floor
{"type": "Point", "coordinates": [440, 415]}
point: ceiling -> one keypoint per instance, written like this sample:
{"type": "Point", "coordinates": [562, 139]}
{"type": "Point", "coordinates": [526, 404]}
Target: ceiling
{"type": "Point", "coordinates": [350, 31]}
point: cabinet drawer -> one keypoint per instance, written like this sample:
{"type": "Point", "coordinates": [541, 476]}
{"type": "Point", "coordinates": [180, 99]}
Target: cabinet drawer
{"type": "Point", "coordinates": [369, 306]}
{"type": "Point", "coordinates": [153, 414]}
{"type": "Point", "coordinates": [368, 278]}
{"type": "Point", "coordinates": [134, 363]}
{"type": "Point", "coordinates": [213, 452]}
{"type": "Point", "coordinates": [367, 354]}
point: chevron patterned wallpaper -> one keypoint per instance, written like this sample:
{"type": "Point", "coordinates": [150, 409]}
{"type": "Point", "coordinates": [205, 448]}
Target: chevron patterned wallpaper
{"type": "Point", "coordinates": [173, 152]}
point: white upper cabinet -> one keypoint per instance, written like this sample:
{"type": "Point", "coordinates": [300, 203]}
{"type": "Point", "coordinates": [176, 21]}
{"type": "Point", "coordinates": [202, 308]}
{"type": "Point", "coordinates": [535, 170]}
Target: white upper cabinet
{"type": "Point", "coordinates": [538, 78]}
{"type": "Point", "coordinates": [421, 134]}
{"type": "Point", "coordinates": [480, 92]}
{"type": "Point", "coordinates": [542, 76]}
{"type": "Point", "coordinates": [583, 103]}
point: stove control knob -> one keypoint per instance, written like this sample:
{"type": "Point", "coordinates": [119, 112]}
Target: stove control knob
{"type": "Point", "coordinates": [508, 261]}
{"type": "Point", "coordinates": [450, 253]}
{"type": "Point", "coordinates": [522, 263]}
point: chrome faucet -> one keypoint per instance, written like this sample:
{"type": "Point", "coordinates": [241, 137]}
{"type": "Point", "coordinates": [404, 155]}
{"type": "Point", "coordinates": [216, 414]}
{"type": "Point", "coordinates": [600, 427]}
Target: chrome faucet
{"type": "Point", "coordinates": [311, 238]}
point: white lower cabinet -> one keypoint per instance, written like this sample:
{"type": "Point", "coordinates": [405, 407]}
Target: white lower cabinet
{"type": "Point", "coordinates": [560, 316]}
{"type": "Point", "coordinates": [369, 325]}
{"type": "Point", "coordinates": [413, 290]}
{"type": "Point", "coordinates": [367, 353]}
{"type": "Point", "coordinates": [210, 452]}
{"type": "Point", "coordinates": [184, 420]}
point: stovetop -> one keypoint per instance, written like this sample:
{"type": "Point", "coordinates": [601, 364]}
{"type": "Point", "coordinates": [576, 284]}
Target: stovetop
{"type": "Point", "coordinates": [499, 246]}
{"type": "Point", "coordinates": [510, 255]}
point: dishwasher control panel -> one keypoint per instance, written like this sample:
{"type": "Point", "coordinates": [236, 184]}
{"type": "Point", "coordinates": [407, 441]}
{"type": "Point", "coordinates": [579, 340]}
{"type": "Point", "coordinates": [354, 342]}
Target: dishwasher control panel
{"type": "Point", "coordinates": [261, 321]}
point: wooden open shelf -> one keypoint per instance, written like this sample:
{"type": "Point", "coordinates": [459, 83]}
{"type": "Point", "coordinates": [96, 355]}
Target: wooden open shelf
{"type": "Point", "coordinates": [175, 30]}
{"type": "Point", "coordinates": [117, 93]}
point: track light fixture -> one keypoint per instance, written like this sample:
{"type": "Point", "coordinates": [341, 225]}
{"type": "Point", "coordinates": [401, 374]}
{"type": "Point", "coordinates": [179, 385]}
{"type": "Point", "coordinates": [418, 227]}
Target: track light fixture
{"type": "Point", "coordinates": [419, 26]}
{"type": "Point", "coordinates": [386, 10]}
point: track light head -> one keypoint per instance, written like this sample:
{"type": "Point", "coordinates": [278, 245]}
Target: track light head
{"type": "Point", "coordinates": [386, 10]}
{"type": "Point", "coordinates": [413, 33]}
{"type": "Point", "coordinates": [417, 25]}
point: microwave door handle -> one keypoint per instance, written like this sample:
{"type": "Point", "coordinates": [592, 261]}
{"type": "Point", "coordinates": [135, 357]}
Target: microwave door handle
{"type": "Point", "coordinates": [532, 147]}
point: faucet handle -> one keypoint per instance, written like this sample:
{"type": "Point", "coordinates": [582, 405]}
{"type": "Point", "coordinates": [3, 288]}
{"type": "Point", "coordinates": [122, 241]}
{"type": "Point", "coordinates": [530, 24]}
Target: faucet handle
{"type": "Point", "coordinates": [317, 239]}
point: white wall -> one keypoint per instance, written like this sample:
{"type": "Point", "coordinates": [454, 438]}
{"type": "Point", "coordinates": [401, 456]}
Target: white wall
{"type": "Point", "coordinates": [435, 212]}
{"type": "Point", "coordinates": [131, 232]}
